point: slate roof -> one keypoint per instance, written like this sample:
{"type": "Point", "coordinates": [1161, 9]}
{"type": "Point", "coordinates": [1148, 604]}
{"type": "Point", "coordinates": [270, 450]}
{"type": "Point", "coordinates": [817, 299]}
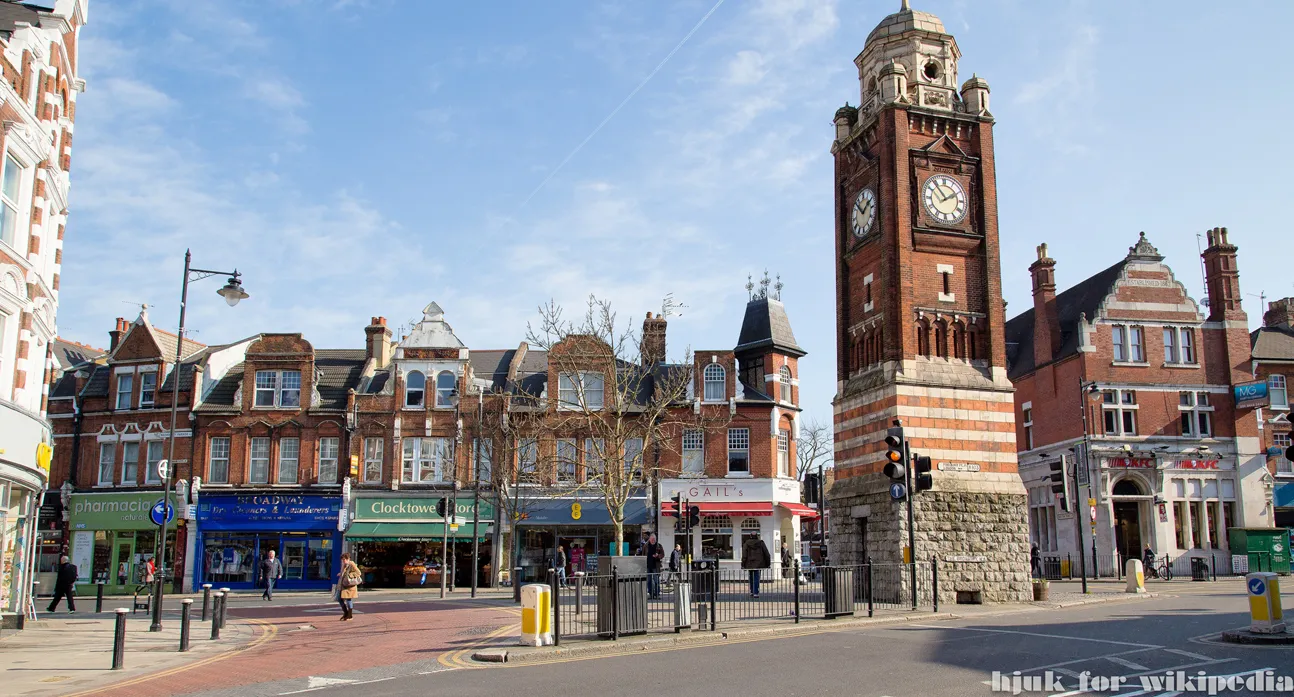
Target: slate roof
{"type": "Point", "coordinates": [64, 387]}
{"type": "Point", "coordinates": [13, 12]}
{"type": "Point", "coordinates": [339, 371]}
{"type": "Point", "coordinates": [70, 354]}
{"type": "Point", "coordinates": [1272, 343]}
{"type": "Point", "coordinates": [221, 396]}
{"type": "Point", "coordinates": [1084, 298]}
{"type": "Point", "coordinates": [97, 385]}
{"type": "Point", "coordinates": [166, 341]}
{"type": "Point", "coordinates": [186, 376]}
{"type": "Point", "coordinates": [767, 326]}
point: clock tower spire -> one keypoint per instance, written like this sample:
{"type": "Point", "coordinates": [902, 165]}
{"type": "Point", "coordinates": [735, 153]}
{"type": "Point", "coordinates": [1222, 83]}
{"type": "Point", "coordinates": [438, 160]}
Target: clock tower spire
{"type": "Point", "coordinates": [920, 316]}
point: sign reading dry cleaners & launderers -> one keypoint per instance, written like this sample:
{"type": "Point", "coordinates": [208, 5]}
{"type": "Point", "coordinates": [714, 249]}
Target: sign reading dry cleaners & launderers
{"type": "Point", "coordinates": [268, 512]}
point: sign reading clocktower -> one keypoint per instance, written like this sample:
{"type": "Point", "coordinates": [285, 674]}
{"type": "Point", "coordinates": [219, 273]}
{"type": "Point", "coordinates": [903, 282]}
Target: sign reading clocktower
{"type": "Point", "coordinates": [920, 318]}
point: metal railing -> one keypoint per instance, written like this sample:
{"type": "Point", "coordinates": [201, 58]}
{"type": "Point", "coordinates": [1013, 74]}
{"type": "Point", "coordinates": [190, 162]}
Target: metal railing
{"type": "Point", "coordinates": [619, 604]}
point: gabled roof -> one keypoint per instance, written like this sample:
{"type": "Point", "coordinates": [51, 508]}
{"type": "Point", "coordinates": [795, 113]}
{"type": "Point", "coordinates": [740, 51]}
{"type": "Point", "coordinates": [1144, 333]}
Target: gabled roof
{"type": "Point", "coordinates": [432, 332]}
{"type": "Point", "coordinates": [1082, 299]}
{"type": "Point", "coordinates": [766, 326]}
{"type": "Point", "coordinates": [164, 340]}
{"type": "Point", "coordinates": [1272, 344]}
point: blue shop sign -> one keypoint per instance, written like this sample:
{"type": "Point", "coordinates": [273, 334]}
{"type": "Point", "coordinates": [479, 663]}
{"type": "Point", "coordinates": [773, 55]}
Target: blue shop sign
{"type": "Point", "coordinates": [554, 512]}
{"type": "Point", "coordinates": [281, 512]}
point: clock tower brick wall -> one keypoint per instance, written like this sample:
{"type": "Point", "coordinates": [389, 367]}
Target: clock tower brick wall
{"type": "Point", "coordinates": [920, 333]}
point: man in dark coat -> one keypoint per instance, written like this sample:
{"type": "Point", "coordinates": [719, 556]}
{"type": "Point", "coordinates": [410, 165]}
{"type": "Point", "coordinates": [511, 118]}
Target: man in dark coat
{"type": "Point", "coordinates": [271, 571]}
{"type": "Point", "coordinates": [755, 558]}
{"type": "Point", "coordinates": [65, 585]}
{"type": "Point", "coordinates": [654, 553]}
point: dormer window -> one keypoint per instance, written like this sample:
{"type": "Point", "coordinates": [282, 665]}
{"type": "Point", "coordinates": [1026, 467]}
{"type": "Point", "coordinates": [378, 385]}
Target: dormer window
{"type": "Point", "coordinates": [415, 387]}
{"type": "Point", "coordinates": [445, 383]}
{"type": "Point", "coordinates": [147, 389]}
{"type": "Point", "coordinates": [125, 387]}
{"type": "Point", "coordinates": [278, 388]}
{"type": "Point", "coordinates": [716, 384]}
{"type": "Point", "coordinates": [580, 391]}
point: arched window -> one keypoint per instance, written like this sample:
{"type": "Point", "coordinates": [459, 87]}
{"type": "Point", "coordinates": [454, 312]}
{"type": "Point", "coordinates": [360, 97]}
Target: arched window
{"type": "Point", "coordinates": [941, 339]}
{"type": "Point", "coordinates": [415, 386]}
{"type": "Point", "coordinates": [1126, 487]}
{"type": "Point", "coordinates": [959, 340]}
{"type": "Point", "coordinates": [785, 377]}
{"type": "Point", "coordinates": [923, 338]}
{"type": "Point", "coordinates": [716, 387]}
{"type": "Point", "coordinates": [445, 383]}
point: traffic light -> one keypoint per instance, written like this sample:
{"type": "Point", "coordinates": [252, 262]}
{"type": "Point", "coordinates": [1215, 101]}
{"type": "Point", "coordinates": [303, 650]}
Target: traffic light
{"type": "Point", "coordinates": [694, 516]}
{"type": "Point", "coordinates": [811, 488]}
{"type": "Point", "coordinates": [1060, 483]}
{"type": "Point", "coordinates": [894, 454]}
{"type": "Point", "coordinates": [678, 505]}
{"type": "Point", "coordinates": [922, 480]}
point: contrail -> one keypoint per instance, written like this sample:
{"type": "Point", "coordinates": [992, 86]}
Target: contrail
{"type": "Point", "coordinates": [622, 104]}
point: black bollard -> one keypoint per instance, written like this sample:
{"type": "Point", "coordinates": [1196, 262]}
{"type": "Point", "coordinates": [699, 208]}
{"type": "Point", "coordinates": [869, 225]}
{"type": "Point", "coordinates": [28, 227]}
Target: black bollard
{"type": "Point", "coordinates": [185, 606]}
{"type": "Point", "coordinates": [119, 640]}
{"type": "Point", "coordinates": [206, 600]}
{"type": "Point", "coordinates": [98, 597]}
{"type": "Point", "coordinates": [215, 616]}
{"type": "Point", "coordinates": [224, 605]}
{"type": "Point", "coordinates": [516, 584]}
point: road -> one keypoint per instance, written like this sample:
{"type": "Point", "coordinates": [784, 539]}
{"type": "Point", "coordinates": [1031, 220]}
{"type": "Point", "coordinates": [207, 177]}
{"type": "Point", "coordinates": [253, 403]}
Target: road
{"type": "Point", "coordinates": [954, 657]}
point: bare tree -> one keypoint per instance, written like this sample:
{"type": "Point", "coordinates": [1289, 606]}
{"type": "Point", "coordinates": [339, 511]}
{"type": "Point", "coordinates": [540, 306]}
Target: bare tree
{"type": "Point", "coordinates": [813, 446]}
{"type": "Point", "coordinates": [605, 400]}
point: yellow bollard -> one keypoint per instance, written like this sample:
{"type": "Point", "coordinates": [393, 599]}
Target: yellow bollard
{"type": "Point", "coordinates": [1136, 577]}
{"type": "Point", "coordinates": [1265, 613]}
{"type": "Point", "coordinates": [536, 615]}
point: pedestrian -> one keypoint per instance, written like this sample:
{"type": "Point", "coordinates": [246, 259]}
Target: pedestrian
{"type": "Point", "coordinates": [755, 558]}
{"type": "Point", "coordinates": [655, 554]}
{"type": "Point", "coordinates": [150, 570]}
{"type": "Point", "coordinates": [1035, 561]}
{"type": "Point", "coordinates": [348, 586]}
{"type": "Point", "coordinates": [675, 560]}
{"type": "Point", "coordinates": [1148, 561]}
{"type": "Point", "coordinates": [786, 561]}
{"type": "Point", "coordinates": [271, 571]}
{"type": "Point", "coordinates": [577, 558]}
{"type": "Point", "coordinates": [559, 563]}
{"type": "Point", "coordinates": [64, 585]}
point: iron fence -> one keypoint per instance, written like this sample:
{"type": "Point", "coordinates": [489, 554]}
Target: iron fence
{"type": "Point", "coordinates": [615, 605]}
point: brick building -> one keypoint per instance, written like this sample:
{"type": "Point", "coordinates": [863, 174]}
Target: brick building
{"type": "Point", "coordinates": [111, 418]}
{"type": "Point", "coordinates": [1273, 362]}
{"type": "Point", "coordinates": [39, 56]}
{"type": "Point", "coordinates": [920, 317]}
{"type": "Point", "coordinates": [1126, 367]}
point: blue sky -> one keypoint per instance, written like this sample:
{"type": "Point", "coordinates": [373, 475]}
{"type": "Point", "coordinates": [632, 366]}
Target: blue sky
{"type": "Point", "coordinates": [363, 157]}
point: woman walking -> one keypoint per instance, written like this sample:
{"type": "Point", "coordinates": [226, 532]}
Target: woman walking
{"type": "Point", "coordinates": [348, 586]}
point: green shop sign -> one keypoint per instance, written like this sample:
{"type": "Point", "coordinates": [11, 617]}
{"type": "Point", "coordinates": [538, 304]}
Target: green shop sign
{"type": "Point", "coordinates": [114, 511]}
{"type": "Point", "coordinates": [419, 509]}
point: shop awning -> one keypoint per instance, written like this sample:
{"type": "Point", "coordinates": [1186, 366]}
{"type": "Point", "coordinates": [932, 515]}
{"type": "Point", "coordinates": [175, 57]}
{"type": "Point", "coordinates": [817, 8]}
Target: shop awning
{"type": "Point", "coordinates": [1283, 496]}
{"type": "Point", "coordinates": [395, 532]}
{"type": "Point", "coordinates": [800, 509]}
{"type": "Point", "coordinates": [724, 508]}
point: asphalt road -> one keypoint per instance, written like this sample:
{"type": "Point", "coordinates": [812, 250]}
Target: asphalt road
{"type": "Point", "coordinates": [953, 657]}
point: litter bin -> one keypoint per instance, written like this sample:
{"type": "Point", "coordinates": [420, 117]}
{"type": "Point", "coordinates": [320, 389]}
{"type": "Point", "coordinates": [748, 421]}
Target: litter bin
{"type": "Point", "coordinates": [1199, 569]}
{"type": "Point", "coordinates": [622, 598]}
{"type": "Point", "coordinates": [704, 576]}
{"type": "Point", "coordinates": [682, 605]}
{"type": "Point", "coordinates": [838, 591]}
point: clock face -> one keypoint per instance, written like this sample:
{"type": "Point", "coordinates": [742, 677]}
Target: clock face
{"type": "Point", "coordinates": [944, 199]}
{"type": "Point", "coordinates": [863, 215]}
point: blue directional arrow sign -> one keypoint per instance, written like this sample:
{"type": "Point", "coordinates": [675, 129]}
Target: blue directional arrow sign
{"type": "Point", "coordinates": [898, 491]}
{"type": "Point", "coordinates": [1257, 587]}
{"type": "Point", "coordinates": [161, 512]}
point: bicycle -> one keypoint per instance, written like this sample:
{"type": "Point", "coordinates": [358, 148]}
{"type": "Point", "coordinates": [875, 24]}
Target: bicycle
{"type": "Point", "coordinates": [1161, 570]}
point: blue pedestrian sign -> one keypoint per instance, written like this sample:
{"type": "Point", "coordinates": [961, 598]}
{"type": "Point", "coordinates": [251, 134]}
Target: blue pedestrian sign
{"type": "Point", "coordinates": [898, 491]}
{"type": "Point", "coordinates": [1257, 587]}
{"type": "Point", "coordinates": [161, 512]}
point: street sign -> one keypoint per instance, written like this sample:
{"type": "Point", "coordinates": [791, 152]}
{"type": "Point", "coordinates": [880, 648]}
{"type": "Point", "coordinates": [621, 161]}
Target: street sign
{"type": "Point", "coordinates": [898, 491]}
{"type": "Point", "coordinates": [1257, 587]}
{"type": "Point", "coordinates": [1081, 463]}
{"type": "Point", "coordinates": [161, 512]}
{"type": "Point", "coordinates": [163, 469]}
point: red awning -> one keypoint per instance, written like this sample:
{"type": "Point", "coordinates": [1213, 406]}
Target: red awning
{"type": "Point", "coordinates": [751, 508]}
{"type": "Point", "coordinates": [800, 509]}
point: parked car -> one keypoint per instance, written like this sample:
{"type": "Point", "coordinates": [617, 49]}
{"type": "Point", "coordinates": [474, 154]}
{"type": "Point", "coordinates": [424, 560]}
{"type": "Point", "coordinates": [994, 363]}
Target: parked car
{"type": "Point", "coordinates": [807, 568]}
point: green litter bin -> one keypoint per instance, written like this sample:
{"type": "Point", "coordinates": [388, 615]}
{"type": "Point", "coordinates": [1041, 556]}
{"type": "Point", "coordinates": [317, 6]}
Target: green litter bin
{"type": "Point", "coordinates": [1267, 549]}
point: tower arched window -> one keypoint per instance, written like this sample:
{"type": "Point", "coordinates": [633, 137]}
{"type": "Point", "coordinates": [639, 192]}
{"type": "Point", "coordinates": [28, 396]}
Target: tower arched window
{"type": "Point", "coordinates": [941, 339]}
{"type": "Point", "coordinates": [784, 376]}
{"type": "Point", "coordinates": [923, 338]}
{"type": "Point", "coordinates": [415, 389]}
{"type": "Point", "coordinates": [445, 383]}
{"type": "Point", "coordinates": [716, 387]}
{"type": "Point", "coordinates": [959, 340]}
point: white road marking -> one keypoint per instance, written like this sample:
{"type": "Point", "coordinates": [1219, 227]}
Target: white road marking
{"type": "Point", "coordinates": [1043, 636]}
{"type": "Point", "coordinates": [325, 682]}
{"type": "Point", "coordinates": [1126, 663]}
{"type": "Point", "coordinates": [1188, 654]}
{"type": "Point", "coordinates": [1055, 666]}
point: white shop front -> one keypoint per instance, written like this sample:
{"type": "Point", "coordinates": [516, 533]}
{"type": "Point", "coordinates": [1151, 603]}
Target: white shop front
{"type": "Point", "coordinates": [731, 511]}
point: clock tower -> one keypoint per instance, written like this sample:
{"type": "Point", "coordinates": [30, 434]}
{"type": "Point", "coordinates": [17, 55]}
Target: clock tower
{"type": "Point", "coordinates": [920, 318]}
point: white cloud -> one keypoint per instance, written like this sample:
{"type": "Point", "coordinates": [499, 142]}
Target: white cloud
{"type": "Point", "coordinates": [746, 68]}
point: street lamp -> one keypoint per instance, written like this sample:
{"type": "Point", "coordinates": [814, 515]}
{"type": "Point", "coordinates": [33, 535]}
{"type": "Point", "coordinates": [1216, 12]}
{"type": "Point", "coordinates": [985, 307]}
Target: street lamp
{"type": "Point", "coordinates": [232, 292]}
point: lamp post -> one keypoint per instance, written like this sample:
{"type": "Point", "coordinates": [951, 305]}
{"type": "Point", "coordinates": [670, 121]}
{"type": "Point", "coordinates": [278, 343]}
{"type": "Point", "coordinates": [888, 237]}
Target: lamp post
{"type": "Point", "coordinates": [232, 292]}
{"type": "Point", "coordinates": [1087, 390]}
{"type": "Point", "coordinates": [476, 489]}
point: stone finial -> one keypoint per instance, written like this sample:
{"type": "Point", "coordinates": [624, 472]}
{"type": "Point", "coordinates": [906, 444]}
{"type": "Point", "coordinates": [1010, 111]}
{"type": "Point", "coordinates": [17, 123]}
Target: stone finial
{"type": "Point", "coordinates": [777, 288]}
{"type": "Point", "coordinates": [763, 286]}
{"type": "Point", "coordinates": [750, 288]}
{"type": "Point", "coordinates": [1143, 250]}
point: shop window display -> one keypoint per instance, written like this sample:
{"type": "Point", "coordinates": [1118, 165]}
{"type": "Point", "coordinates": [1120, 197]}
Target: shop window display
{"type": "Point", "coordinates": [716, 537]}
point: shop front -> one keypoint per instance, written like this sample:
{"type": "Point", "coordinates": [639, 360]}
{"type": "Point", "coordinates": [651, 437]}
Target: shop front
{"type": "Point", "coordinates": [51, 543]}
{"type": "Point", "coordinates": [733, 511]}
{"type": "Point", "coordinates": [115, 535]}
{"type": "Point", "coordinates": [236, 532]}
{"type": "Point", "coordinates": [581, 526]}
{"type": "Point", "coordinates": [402, 541]}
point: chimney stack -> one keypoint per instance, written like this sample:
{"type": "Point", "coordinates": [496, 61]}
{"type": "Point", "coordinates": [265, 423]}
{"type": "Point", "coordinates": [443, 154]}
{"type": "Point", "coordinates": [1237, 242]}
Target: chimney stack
{"type": "Point", "coordinates": [1280, 313]}
{"type": "Point", "coordinates": [114, 336]}
{"type": "Point", "coordinates": [378, 345]}
{"type": "Point", "coordinates": [1046, 320]}
{"type": "Point", "coordinates": [1222, 277]}
{"type": "Point", "coordinates": [653, 340]}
